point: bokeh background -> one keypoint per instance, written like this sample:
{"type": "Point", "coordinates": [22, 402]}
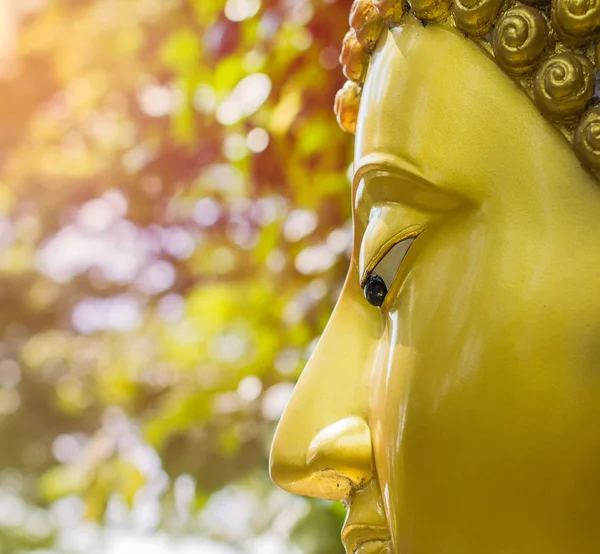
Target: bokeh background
{"type": "Point", "coordinates": [174, 231]}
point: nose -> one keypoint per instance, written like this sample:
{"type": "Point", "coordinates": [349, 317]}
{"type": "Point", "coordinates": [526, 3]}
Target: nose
{"type": "Point", "coordinates": [322, 445]}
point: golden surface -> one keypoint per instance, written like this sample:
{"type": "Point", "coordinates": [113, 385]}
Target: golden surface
{"type": "Point", "coordinates": [463, 416]}
{"type": "Point", "coordinates": [354, 59]}
{"type": "Point", "coordinates": [550, 51]}
{"type": "Point", "coordinates": [476, 17]}
{"type": "Point", "coordinates": [366, 23]}
{"type": "Point", "coordinates": [347, 103]}
{"type": "Point", "coordinates": [564, 84]}
{"type": "Point", "coordinates": [390, 10]}
{"type": "Point", "coordinates": [519, 38]}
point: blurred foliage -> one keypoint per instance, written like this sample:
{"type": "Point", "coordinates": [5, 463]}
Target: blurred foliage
{"type": "Point", "coordinates": [174, 230]}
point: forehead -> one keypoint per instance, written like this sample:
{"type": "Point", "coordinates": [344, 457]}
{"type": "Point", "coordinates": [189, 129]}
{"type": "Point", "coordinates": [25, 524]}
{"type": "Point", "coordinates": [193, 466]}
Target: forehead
{"type": "Point", "coordinates": [394, 89]}
{"type": "Point", "coordinates": [436, 105]}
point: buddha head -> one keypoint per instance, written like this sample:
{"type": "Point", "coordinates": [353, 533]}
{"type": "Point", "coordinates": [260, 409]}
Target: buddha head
{"type": "Point", "coordinates": [453, 401]}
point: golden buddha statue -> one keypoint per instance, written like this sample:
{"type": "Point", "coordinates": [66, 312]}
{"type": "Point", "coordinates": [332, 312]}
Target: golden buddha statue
{"type": "Point", "coordinates": [453, 401]}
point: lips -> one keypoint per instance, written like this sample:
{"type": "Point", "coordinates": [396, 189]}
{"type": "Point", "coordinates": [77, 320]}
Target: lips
{"type": "Point", "coordinates": [364, 539]}
{"type": "Point", "coordinates": [374, 547]}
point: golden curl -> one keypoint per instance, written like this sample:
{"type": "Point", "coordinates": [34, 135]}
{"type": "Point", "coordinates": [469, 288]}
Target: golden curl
{"type": "Point", "coordinates": [576, 21]}
{"type": "Point", "coordinates": [430, 9]}
{"type": "Point", "coordinates": [367, 23]}
{"type": "Point", "coordinates": [347, 102]}
{"type": "Point", "coordinates": [563, 85]}
{"type": "Point", "coordinates": [475, 17]}
{"type": "Point", "coordinates": [354, 58]}
{"type": "Point", "coordinates": [587, 138]}
{"type": "Point", "coordinates": [391, 11]}
{"type": "Point", "coordinates": [519, 38]}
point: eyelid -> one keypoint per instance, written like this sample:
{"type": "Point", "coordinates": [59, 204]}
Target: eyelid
{"type": "Point", "coordinates": [385, 178]}
{"type": "Point", "coordinates": [379, 162]}
{"type": "Point", "coordinates": [389, 224]}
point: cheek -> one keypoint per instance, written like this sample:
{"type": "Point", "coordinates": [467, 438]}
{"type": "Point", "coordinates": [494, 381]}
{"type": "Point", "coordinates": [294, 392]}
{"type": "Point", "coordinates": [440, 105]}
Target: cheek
{"type": "Point", "coordinates": [389, 390]}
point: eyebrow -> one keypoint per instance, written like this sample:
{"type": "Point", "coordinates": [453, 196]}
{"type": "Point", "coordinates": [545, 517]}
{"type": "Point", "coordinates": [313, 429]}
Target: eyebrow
{"type": "Point", "coordinates": [372, 184]}
{"type": "Point", "coordinates": [384, 162]}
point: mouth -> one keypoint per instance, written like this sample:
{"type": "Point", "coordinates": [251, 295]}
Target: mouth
{"type": "Point", "coordinates": [364, 539]}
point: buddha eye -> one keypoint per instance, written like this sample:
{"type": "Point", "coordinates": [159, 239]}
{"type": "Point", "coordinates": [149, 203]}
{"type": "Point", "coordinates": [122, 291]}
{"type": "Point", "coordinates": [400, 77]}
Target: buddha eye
{"type": "Point", "coordinates": [380, 280]}
{"type": "Point", "coordinates": [375, 290]}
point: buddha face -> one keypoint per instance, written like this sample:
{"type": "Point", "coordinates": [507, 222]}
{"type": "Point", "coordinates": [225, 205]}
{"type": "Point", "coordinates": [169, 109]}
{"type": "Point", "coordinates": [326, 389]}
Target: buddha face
{"type": "Point", "coordinates": [462, 415]}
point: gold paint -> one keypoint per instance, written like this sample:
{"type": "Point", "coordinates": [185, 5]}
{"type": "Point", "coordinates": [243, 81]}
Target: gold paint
{"type": "Point", "coordinates": [365, 530]}
{"type": "Point", "coordinates": [476, 17]}
{"type": "Point", "coordinates": [350, 436]}
{"type": "Point", "coordinates": [384, 231]}
{"type": "Point", "coordinates": [577, 21]}
{"type": "Point", "coordinates": [354, 58]}
{"type": "Point", "coordinates": [519, 38]}
{"type": "Point", "coordinates": [551, 59]}
{"type": "Point", "coordinates": [587, 138]}
{"type": "Point", "coordinates": [347, 102]}
{"type": "Point", "coordinates": [563, 85]}
{"type": "Point", "coordinates": [391, 11]}
{"type": "Point", "coordinates": [462, 416]}
{"type": "Point", "coordinates": [307, 457]}
{"type": "Point", "coordinates": [366, 22]}
{"type": "Point", "coordinates": [430, 9]}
